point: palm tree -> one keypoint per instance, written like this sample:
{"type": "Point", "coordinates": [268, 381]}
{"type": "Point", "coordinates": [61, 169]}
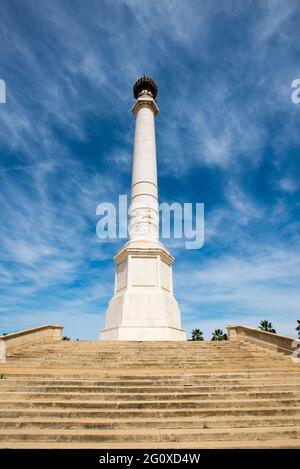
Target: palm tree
{"type": "Point", "coordinates": [197, 334]}
{"type": "Point", "coordinates": [218, 334]}
{"type": "Point", "coordinates": [298, 328]}
{"type": "Point", "coordinates": [266, 326]}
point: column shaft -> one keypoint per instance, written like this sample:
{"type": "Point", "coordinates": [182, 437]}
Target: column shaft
{"type": "Point", "coordinates": [144, 220]}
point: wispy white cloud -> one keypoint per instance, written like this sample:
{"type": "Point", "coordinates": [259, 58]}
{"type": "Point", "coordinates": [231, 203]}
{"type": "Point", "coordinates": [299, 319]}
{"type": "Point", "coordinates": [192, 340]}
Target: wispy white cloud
{"type": "Point", "coordinates": [243, 289]}
{"type": "Point", "coordinates": [224, 74]}
{"type": "Point", "coordinates": [289, 185]}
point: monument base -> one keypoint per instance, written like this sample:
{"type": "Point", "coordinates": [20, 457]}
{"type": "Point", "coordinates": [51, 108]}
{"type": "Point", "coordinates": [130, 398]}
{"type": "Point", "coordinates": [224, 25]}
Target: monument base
{"type": "Point", "coordinates": [143, 333]}
{"type": "Point", "coordinates": [143, 306]}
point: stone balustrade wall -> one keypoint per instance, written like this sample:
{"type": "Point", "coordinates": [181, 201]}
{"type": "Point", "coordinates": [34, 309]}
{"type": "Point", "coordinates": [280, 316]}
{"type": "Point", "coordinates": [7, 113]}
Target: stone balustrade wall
{"type": "Point", "coordinates": [22, 338]}
{"type": "Point", "coordinates": [268, 339]}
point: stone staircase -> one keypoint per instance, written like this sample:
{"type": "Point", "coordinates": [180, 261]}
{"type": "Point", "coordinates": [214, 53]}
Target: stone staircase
{"type": "Point", "coordinates": [92, 394]}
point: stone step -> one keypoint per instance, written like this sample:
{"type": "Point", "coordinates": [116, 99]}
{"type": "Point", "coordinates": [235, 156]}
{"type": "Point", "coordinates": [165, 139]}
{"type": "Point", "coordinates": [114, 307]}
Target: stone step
{"type": "Point", "coordinates": [151, 435]}
{"type": "Point", "coordinates": [199, 354]}
{"type": "Point", "coordinates": [142, 354]}
{"type": "Point", "coordinates": [144, 388]}
{"type": "Point", "coordinates": [155, 355]}
{"type": "Point", "coordinates": [98, 377]}
{"type": "Point", "coordinates": [136, 423]}
{"type": "Point", "coordinates": [151, 359]}
{"type": "Point", "coordinates": [216, 365]}
{"type": "Point", "coordinates": [132, 344]}
{"type": "Point", "coordinates": [178, 361]}
{"type": "Point", "coordinates": [232, 444]}
{"type": "Point", "coordinates": [154, 396]}
{"type": "Point", "coordinates": [178, 364]}
{"type": "Point", "coordinates": [145, 353]}
{"type": "Point", "coordinates": [128, 352]}
{"type": "Point", "coordinates": [121, 413]}
{"type": "Point", "coordinates": [162, 366]}
{"type": "Point", "coordinates": [150, 352]}
{"type": "Point", "coordinates": [150, 404]}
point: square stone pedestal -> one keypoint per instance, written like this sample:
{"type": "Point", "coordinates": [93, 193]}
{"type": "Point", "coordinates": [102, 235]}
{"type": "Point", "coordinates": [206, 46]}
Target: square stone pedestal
{"type": "Point", "coordinates": [143, 306]}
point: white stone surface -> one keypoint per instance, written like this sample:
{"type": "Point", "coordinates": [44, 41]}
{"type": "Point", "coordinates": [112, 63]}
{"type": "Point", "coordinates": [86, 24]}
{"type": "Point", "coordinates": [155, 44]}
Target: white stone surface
{"type": "Point", "coordinates": [143, 306]}
{"type": "Point", "coordinates": [144, 220]}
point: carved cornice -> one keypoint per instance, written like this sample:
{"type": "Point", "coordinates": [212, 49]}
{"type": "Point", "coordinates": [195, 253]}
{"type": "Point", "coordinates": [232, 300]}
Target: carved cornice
{"type": "Point", "coordinates": [145, 100]}
{"type": "Point", "coordinates": [143, 252]}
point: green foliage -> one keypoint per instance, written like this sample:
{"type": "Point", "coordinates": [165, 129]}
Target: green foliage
{"type": "Point", "coordinates": [65, 337]}
{"type": "Point", "coordinates": [298, 328]}
{"type": "Point", "coordinates": [218, 334]}
{"type": "Point", "coordinates": [197, 334]}
{"type": "Point", "coordinates": [266, 326]}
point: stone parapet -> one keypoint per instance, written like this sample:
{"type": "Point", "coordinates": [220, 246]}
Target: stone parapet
{"type": "Point", "coordinates": [29, 336]}
{"type": "Point", "coordinates": [267, 339]}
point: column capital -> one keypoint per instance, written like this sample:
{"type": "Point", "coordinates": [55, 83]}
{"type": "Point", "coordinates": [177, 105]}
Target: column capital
{"type": "Point", "coordinates": [145, 100]}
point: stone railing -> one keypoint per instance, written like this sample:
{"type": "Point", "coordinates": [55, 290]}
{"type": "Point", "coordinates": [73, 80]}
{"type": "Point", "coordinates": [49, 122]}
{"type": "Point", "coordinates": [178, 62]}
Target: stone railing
{"type": "Point", "coordinates": [267, 339]}
{"type": "Point", "coordinates": [29, 336]}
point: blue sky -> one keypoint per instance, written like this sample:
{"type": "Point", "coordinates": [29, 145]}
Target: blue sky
{"type": "Point", "coordinates": [228, 135]}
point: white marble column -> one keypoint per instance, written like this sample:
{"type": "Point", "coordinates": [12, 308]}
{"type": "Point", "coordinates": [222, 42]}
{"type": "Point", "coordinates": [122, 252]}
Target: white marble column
{"type": "Point", "coordinates": [143, 306]}
{"type": "Point", "coordinates": [144, 220]}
